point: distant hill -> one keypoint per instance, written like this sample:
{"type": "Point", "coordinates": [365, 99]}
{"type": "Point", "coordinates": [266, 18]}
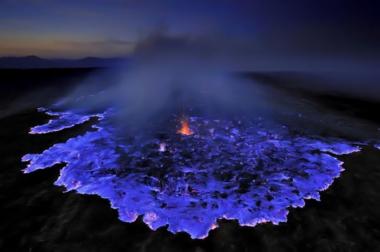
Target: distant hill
{"type": "Point", "coordinates": [37, 62]}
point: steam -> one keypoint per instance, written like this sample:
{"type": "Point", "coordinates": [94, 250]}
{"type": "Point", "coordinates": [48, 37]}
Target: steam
{"type": "Point", "coordinates": [169, 76]}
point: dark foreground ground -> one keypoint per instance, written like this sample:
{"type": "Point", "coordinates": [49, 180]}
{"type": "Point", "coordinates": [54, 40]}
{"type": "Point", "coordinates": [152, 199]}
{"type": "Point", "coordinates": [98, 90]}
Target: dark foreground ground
{"type": "Point", "coordinates": [35, 215]}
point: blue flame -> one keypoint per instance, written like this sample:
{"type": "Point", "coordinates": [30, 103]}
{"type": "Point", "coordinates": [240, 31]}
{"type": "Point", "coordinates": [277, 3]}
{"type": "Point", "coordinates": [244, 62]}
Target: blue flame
{"type": "Point", "coordinates": [226, 169]}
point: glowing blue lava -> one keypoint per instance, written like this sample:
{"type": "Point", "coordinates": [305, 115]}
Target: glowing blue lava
{"type": "Point", "coordinates": [226, 169]}
{"type": "Point", "coordinates": [60, 121]}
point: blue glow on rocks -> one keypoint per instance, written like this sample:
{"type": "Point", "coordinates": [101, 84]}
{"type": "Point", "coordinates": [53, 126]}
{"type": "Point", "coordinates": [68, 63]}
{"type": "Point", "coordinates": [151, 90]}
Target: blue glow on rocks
{"type": "Point", "coordinates": [62, 120]}
{"type": "Point", "coordinates": [226, 169]}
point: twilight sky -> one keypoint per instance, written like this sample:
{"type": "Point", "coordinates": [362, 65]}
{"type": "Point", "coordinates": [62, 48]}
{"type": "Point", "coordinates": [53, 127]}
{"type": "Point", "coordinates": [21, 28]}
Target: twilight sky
{"type": "Point", "coordinates": [109, 28]}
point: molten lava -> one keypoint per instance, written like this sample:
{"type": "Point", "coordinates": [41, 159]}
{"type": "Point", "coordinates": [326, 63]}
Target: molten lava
{"type": "Point", "coordinates": [185, 128]}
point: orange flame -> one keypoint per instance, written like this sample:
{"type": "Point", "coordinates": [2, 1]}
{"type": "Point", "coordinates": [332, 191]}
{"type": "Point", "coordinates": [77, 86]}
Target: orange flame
{"type": "Point", "coordinates": [185, 128]}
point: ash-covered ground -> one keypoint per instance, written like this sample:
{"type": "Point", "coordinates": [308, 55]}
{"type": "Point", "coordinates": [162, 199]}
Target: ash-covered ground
{"type": "Point", "coordinates": [38, 216]}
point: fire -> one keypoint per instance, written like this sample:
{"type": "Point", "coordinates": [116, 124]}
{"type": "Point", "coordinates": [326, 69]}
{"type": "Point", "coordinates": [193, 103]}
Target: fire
{"type": "Point", "coordinates": [185, 128]}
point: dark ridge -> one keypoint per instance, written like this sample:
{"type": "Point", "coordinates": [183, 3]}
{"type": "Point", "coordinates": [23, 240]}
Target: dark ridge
{"type": "Point", "coordinates": [33, 62]}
